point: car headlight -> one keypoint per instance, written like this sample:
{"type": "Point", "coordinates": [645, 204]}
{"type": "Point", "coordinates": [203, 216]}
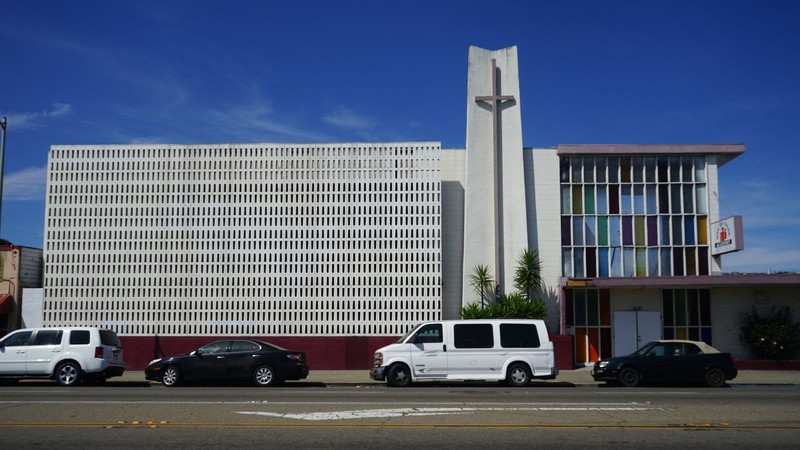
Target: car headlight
{"type": "Point", "coordinates": [154, 361]}
{"type": "Point", "coordinates": [602, 364]}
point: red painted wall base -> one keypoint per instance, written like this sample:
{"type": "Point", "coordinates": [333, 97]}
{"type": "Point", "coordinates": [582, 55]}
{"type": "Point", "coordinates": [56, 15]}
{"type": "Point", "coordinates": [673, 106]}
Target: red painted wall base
{"type": "Point", "coordinates": [322, 352]}
{"type": "Point", "coordinates": [767, 365]}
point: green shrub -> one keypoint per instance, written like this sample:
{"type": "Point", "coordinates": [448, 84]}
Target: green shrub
{"type": "Point", "coordinates": [771, 336]}
{"type": "Point", "coordinates": [510, 306]}
{"type": "Point", "coordinates": [474, 311]}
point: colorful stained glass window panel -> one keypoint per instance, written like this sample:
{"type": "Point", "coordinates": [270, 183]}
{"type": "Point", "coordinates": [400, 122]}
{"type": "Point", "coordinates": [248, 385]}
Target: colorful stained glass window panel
{"type": "Point", "coordinates": [675, 196]}
{"type": "Point", "coordinates": [691, 261]}
{"type": "Point", "coordinates": [613, 199]}
{"type": "Point", "coordinates": [577, 200]}
{"type": "Point", "coordinates": [605, 307]}
{"type": "Point", "coordinates": [627, 262]}
{"type": "Point", "coordinates": [652, 231]}
{"type": "Point", "coordinates": [614, 231]}
{"type": "Point", "coordinates": [602, 200]}
{"type": "Point", "coordinates": [602, 261]}
{"type": "Point", "coordinates": [641, 262]}
{"type": "Point", "coordinates": [588, 200]}
{"type": "Point", "coordinates": [616, 262]}
{"type": "Point", "coordinates": [627, 230]}
{"type": "Point", "coordinates": [702, 261]}
{"type": "Point", "coordinates": [591, 262]}
{"type": "Point", "coordinates": [625, 169]}
{"type": "Point", "coordinates": [652, 262]}
{"type": "Point", "coordinates": [639, 235]}
{"type": "Point", "coordinates": [591, 230]}
{"type": "Point", "coordinates": [602, 230]}
{"type": "Point", "coordinates": [625, 204]}
{"type": "Point", "coordinates": [652, 203]}
{"type": "Point", "coordinates": [688, 230]}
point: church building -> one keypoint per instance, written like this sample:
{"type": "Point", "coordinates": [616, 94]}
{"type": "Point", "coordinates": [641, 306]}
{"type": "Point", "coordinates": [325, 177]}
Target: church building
{"type": "Point", "coordinates": [336, 249]}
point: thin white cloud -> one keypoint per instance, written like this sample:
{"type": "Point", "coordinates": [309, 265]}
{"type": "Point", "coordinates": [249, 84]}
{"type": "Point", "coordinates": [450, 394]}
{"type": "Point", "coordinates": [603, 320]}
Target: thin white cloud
{"type": "Point", "coordinates": [25, 185]}
{"type": "Point", "coordinates": [346, 118]}
{"type": "Point", "coordinates": [254, 121]}
{"type": "Point", "coordinates": [32, 120]}
{"type": "Point", "coordinates": [148, 140]}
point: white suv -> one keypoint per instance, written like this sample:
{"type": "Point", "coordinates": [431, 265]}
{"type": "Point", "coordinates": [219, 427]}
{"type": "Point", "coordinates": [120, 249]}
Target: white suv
{"type": "Point", "coordinates": [66, 355]}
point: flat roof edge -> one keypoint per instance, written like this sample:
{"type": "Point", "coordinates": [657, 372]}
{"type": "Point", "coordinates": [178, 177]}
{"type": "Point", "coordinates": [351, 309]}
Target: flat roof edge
{"type": "Point", "coordinates": [649, 149]}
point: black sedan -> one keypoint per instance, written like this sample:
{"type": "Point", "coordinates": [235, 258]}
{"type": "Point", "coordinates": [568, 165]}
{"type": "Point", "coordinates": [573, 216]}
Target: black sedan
{"type": "Point", "coordinates": [671, 361]}
{"type": "Point", "coordinates": [242, 359]}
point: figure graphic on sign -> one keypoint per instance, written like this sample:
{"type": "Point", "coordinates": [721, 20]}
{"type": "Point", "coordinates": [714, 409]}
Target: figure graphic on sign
{"type": "Point", "coordinates": [723, 234]}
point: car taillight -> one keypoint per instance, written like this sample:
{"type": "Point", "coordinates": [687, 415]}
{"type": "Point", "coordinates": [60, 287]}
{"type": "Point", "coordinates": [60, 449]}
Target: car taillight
{"type": "Point", "coordinates": [296, 356]}
{"type": "Point", "coordinates": [98, 352]}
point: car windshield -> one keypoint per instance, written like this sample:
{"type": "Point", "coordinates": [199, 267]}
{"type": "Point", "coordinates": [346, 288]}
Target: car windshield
{"type": "Point", "coordinates": [408, 333]}
{"type": "Point", "coordinates": [645, 349]}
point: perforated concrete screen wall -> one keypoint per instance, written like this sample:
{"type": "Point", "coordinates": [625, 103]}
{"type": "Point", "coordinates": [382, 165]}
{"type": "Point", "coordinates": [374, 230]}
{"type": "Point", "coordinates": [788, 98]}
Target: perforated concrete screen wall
{"type": "Point", "coordinates": [244, 239]}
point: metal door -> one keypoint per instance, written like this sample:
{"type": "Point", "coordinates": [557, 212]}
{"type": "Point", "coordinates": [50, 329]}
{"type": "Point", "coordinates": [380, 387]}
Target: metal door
{"type": "Point", "coordinates": [632, 329]}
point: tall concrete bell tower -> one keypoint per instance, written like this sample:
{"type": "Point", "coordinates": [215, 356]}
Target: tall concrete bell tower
{"type": "Point", "coordinates": [495, 222]}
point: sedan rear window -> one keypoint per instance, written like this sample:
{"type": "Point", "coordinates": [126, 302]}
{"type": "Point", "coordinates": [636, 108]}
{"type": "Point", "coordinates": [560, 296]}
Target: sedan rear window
{"type": "Point", "coordinates": [244, 346]}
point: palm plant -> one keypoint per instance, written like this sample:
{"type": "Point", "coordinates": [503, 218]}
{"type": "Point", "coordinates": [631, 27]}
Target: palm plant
{"type": "Point", "coordinates": [482, 282]}
{"type": "Point", "coordinates": [528, 275]}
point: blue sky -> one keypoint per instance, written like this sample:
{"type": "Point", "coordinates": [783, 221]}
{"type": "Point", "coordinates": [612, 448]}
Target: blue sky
{"type": "Point", "coordinates": [680, 71]}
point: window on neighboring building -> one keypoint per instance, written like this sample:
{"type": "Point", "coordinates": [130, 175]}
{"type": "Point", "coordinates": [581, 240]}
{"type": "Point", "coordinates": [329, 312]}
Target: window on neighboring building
{"type": "Point", "coordinates": [687, 314]}
{"type": "Point", "coordinates": [588, 315]}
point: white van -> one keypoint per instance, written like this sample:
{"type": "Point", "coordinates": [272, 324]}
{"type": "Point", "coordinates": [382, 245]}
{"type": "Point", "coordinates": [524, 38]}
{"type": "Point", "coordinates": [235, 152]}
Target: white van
{"type": "Point", "coordinates": [508, 350]}
{"type": "Point", "coordinates": [66, 355]}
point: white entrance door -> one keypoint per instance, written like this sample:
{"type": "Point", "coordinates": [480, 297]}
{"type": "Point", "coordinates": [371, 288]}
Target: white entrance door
{"type": "Point", "coordinates": [632, 329]}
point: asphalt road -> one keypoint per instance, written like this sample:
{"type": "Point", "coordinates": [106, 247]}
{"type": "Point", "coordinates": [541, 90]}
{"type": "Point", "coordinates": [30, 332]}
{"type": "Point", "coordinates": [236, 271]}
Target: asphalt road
{"type": "Point", "coordinates": [311, 415]}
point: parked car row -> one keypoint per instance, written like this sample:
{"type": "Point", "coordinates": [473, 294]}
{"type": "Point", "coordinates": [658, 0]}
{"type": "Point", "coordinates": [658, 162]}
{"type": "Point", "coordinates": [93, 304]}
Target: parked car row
{"type": "Point", "coordinates": [510, 351]}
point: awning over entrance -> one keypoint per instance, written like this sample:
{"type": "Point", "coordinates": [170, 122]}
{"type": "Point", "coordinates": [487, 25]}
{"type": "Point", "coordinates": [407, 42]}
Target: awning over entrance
{"type": "Point", "coordinates": [790, 279]}
{"type": "Point", "coordinates": [6, 303]}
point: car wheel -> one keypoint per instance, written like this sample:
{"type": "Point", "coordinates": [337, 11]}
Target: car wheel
{"type": "Point", "coordinates": [628, 377]}
{"type": "Point", "coordinates": [715, 378]}
{"type": "Point", "coordinates": [398, 376]}
{"type": "Point", "coordinates": [264, 376]}
{"type": "Point", "coordinates": [68, 374]}
{"type": "Point", "coordinates": [518, 375]}
{"type": "Point", "coordinates": [171, 376]}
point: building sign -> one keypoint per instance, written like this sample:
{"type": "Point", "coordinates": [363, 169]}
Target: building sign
{"type": "Point", "coordinates": [726, 236]}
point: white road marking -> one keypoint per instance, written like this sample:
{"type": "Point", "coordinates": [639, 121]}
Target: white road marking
{"type": "Point", "coordinates": [413, 412]}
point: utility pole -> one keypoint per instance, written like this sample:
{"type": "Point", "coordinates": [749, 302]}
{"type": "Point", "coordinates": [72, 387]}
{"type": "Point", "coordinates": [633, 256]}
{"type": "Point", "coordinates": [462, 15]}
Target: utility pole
{"type": "Point", "coordinates": [3, 124]}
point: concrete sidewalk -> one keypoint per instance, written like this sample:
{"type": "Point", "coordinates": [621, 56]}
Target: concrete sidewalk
{"type": "Point", "coordinates": [578, 377]}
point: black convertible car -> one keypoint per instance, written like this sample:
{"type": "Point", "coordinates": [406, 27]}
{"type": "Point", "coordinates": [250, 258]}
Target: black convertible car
{"type": "Point", "coordinates": [242, 359]}
{"type": "Point", "coordinates": [668, 362]}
